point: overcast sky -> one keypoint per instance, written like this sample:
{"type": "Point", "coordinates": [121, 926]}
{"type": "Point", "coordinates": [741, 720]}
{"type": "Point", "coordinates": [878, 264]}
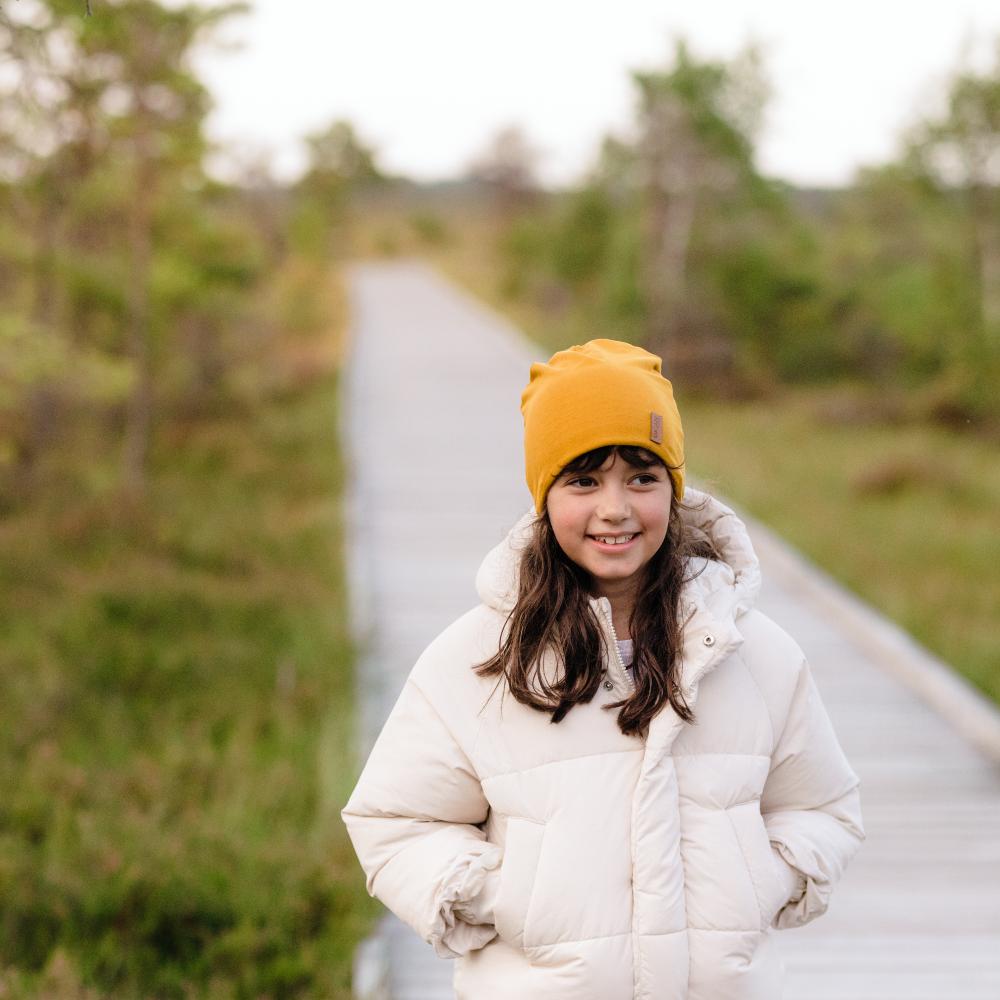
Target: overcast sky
{"type": "Point", "coordinates": [428, 82]}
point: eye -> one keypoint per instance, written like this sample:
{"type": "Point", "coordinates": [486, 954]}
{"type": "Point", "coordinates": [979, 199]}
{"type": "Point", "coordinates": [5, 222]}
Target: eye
{"type": "Point", "coordinates": [585, 480]}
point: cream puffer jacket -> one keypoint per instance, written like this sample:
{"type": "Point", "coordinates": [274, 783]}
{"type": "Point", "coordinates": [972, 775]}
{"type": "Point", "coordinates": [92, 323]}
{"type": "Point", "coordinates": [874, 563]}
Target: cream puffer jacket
{"type": "Point", "coordinates": [572, 862]}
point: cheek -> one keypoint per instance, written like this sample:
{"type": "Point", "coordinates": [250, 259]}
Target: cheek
{"type": "Point", "coordinates": [565, 526]}
{"type": "Point", "coordinates": [563, 531]}
{"type": "Point", "coordinates": [657, 520]}
{"type": "Point", "coordinates": [560, 513]}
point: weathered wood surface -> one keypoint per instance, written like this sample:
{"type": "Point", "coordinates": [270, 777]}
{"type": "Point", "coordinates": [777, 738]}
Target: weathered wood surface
{"type": "Point", "coordinates": [433, 430]}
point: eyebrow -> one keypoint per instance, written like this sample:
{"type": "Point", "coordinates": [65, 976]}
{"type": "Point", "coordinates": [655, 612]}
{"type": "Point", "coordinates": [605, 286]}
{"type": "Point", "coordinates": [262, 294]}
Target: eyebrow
{"type": "Point", "coordinates": [632, 469]}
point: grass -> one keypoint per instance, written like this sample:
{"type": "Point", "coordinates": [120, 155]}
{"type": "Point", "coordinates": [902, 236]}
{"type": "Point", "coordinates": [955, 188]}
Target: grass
{"type": "Point", "coordinates": [905, 516]}
{"type": "Point", "coordinates": [176, 718]}
{"type": "Point", "coordinates": [901, 511]}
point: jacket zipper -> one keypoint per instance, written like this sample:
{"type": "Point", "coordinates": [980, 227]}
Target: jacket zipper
{"type": "Point", "coordinates": [618, 655]}
{"type": "Point", "coordinates": [635, 941]}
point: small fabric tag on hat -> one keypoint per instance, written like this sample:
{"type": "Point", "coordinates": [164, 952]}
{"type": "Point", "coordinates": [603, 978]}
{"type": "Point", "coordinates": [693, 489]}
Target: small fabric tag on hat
{"type": "Point", "coordinates": [656, 428]}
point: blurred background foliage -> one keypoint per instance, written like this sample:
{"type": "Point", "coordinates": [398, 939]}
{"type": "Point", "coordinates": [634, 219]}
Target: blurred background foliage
{"type": "Point", "coordinates": [743, 282]}
{"type": "Point", "coordinates": [175, 663]}
{"type": "Point", "coordinates": [175, 660]}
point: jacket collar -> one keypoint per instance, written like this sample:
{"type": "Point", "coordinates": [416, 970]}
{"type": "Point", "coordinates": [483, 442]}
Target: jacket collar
{"type": "Point", "coordinates": [716, 595]}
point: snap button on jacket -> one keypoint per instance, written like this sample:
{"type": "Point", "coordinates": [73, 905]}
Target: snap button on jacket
{"type": "Point", "coordinates": [573, 862]}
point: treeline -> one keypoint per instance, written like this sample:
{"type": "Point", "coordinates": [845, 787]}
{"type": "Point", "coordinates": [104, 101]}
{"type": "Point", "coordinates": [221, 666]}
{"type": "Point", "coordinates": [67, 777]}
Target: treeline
{"type": "Point", "coordinates": [136, 288]}
{"type": "Point", "coordinates": [743, 282]}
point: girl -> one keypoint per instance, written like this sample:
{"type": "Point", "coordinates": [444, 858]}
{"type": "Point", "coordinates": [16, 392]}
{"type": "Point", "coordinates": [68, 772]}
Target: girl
{"type": "Point", "coordinates": [657, 784]}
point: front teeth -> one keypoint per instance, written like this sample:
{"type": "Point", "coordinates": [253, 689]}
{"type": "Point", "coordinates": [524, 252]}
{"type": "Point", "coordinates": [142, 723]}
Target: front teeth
{"type": "Point", "coordinates": [615, 541]}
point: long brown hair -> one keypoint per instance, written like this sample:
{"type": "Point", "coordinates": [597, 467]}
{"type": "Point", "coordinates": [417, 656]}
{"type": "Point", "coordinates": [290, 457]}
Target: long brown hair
{"type": "Point", "coordinates": [553, 610]}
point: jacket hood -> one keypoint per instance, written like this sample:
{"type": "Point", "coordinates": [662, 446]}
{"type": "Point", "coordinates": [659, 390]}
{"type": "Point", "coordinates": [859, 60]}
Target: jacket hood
{"type": "Point", "coordinates": [724, 590]}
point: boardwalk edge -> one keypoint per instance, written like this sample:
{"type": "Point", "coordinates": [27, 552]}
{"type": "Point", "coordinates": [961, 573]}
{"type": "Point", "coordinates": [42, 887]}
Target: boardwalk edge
{"type": "Point", "coordinates": [958, 701]}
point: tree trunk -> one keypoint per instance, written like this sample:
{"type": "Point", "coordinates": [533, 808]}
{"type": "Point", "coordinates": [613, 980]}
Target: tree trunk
{"type": "Point", "coordinates": [987, 248]}
{"type": "Point", "coordinates": [139, 407]}
{"type": "Point", "coordinates": [671, 191]}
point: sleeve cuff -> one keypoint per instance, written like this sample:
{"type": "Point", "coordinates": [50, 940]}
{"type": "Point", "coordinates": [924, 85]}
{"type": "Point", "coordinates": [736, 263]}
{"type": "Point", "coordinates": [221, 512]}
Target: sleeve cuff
{"type": "Point", "coordinates": [793, 880]}
{"type": "Point", "coordinates": [464, 915]}
{"type": "Point", "coordinates": [479, 908]}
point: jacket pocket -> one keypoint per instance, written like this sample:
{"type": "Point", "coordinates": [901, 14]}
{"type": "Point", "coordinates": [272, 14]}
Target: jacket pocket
{"type": "Point", "coordinates": [759, 857]}
{"type": "Point", "coordinates": [518, 869]}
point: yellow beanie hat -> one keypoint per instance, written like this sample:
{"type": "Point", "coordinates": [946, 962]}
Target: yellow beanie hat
{"type": "Point", "coordinates": [599, 393]}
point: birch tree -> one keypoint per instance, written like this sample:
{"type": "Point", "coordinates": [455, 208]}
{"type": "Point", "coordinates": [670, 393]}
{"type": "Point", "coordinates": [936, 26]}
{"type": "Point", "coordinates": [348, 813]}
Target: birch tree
{"type": "Point", "coordinates": [697, 121]}
{"type": "Point", "coordinates": [958, 150]}
{"type": "Point", "coordinates": [101, 150]}
{"type": "Point", "coordinates": [961, 149]}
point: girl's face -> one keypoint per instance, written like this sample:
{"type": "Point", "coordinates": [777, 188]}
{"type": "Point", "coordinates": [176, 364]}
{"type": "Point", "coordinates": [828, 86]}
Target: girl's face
{"type": "Point", "coordinates": [616, 500]}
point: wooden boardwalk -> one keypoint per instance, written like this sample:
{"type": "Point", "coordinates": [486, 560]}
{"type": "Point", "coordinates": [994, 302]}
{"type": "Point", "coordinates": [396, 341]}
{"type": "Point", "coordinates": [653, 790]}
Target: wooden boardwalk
{"type": "Point", "coordinates": [432, 428]}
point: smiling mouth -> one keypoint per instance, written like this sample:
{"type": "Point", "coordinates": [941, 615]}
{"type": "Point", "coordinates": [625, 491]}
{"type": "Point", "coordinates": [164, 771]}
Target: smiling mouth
{"type": "Point", "coordinates": [597, 540]}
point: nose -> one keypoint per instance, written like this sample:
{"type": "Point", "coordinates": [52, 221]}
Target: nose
{"type": "Point", "coordinates": [613, 505]}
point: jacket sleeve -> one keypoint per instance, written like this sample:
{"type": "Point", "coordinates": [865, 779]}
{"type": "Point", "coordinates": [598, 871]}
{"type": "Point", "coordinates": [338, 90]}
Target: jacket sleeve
{"type": "Point", "coordinates": [413, 820]}
{"type": "Point", "coordinates": [811, 804]}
